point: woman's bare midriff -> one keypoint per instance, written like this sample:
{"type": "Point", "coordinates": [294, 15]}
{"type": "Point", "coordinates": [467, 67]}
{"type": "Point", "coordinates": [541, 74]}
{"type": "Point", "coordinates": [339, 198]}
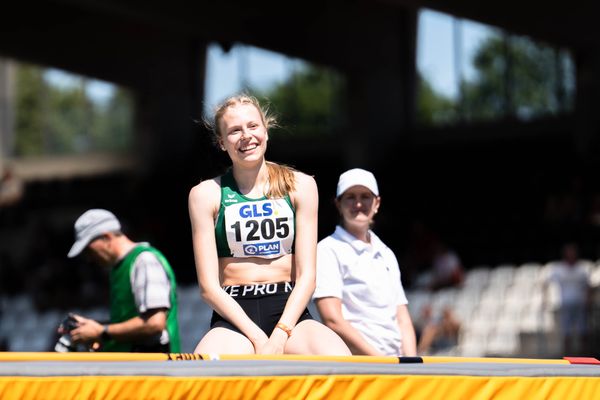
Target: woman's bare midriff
{"type": "Point", "coordinates": [240, 271]}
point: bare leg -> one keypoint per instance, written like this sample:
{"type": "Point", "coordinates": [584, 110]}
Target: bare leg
{"type": "Point", "coordinates": [224, 341]}
{"type": "Point", "coordinates": [313, 338]}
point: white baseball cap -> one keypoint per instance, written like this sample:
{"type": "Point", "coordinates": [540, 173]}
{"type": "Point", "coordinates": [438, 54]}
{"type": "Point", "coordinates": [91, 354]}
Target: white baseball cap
{"type": "Point", "coordinates": [91, 224]}
{"type": "Point", "coordinates": [357, 177]}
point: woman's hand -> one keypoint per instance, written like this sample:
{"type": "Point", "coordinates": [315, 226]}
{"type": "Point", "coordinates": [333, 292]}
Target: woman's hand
{"type": "Point", "coordinates": [259, 342]}
{"type": "Point", "coordinates": [275, 344]}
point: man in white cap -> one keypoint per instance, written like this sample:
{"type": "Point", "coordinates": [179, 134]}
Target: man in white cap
{"type": "Point", "coordinates": [143, 301]}
{"type": "Point", "coordinates": [359, 293]}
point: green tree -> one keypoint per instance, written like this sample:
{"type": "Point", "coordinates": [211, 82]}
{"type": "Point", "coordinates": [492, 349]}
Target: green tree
{"type": "Point", "coordinates": [113, 122]}
{"type": "Point", "coordinates": [31, 89]}
{"type": "Point", "coordinates": [434, 108]}
{"type": "Point", "coordinates": [69, 123]}
{"type": "Point", "coordinates": [310, 102]}
{"type": "Point", "coordinates": [65, 120]}
{"type": "Point", "coordinates": [514, 77]}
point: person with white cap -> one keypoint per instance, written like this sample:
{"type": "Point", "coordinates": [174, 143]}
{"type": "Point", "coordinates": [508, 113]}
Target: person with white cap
{"type": "Point", "coordinates": [359, 293]}
{"type": "Point", "coordinates": [143, 301]}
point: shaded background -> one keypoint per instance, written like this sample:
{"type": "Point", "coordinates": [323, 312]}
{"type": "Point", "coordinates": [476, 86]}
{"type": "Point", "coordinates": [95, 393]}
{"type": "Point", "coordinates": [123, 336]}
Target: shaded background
{"type": "Point", "coordinates": [484, 187]}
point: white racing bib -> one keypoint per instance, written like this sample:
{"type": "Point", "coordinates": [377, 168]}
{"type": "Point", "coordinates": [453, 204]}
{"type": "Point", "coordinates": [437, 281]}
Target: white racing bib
{"type": "Point", "coordinates": [262, 228]}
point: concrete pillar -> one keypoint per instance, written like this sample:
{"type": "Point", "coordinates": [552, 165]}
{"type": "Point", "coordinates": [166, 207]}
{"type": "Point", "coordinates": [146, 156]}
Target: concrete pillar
{"type": "Point", "coordinates": [381, 91]}
{"type": "Point", "coordinates": [587, 119]}
{"type": "Point", "coordinates": [7, 114]}
{"type": "Point", "coordinates": [169, 101]}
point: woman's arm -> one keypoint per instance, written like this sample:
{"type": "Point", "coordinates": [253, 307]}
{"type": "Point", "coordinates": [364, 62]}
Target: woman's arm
{"type": "Point", "coordinates": [409, 341]}
{"type": "Point", "coordinates": [330, 309]}
{"type": "Point", "coordinates": [306, 202]}
{"type": "Point", "coordinates": [203, 203]}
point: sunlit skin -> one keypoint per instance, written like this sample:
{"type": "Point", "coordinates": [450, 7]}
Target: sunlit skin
{"type": "Point", "coordinates": [243, 134]}
{"type": "Point", "coordinates": [244, 137]}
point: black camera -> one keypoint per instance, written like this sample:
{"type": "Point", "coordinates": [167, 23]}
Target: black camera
{"type": "Point", "coordinates": [65, 343]}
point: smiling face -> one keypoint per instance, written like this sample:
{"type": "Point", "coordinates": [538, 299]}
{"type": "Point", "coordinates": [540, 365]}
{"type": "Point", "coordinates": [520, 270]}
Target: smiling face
{"type": "Point", "coordinates": [243, 133]}
{"type": "Point", "coordinates": [357, 206]}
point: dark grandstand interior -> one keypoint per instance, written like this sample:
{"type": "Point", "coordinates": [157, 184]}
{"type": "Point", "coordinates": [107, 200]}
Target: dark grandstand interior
{"type": "Point", "coordinates": [484, 188]}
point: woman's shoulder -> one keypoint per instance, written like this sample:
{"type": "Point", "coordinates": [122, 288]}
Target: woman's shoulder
{"type": "Point", "coordinates": [305, 190]}
{"type": "Point", "coordinates": [206, 189]}
{"type": "Point", "coordinates": [303, 180]}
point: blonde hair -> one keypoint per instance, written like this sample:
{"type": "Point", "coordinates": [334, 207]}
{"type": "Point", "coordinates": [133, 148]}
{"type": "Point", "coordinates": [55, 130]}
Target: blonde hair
{"type": "Point", "coordinates": [268, 120]}
{"type": "Point", "coordinates": [282, 180]}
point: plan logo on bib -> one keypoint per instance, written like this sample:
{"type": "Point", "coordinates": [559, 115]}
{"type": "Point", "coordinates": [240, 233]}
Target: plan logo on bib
{"type": "Point", "coordinates": [261, 249]}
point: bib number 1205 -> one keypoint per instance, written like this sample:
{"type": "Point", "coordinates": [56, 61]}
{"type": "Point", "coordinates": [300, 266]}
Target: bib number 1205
{"type": "Point", "coordinates": [268, 229]}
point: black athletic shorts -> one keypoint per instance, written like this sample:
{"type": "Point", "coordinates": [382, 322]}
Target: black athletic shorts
{"type": "Point", "coordinates": [262, 302]}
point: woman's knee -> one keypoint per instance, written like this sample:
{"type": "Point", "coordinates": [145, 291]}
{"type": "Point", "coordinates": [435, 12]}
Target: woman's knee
{"type": "Point", "coordinates": [312, 337]}
{"type": "Point", "coordinates": [224, 341]}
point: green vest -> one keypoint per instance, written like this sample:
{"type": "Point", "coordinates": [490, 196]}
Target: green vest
{"type": "Point", "coordinates": [122, 302]}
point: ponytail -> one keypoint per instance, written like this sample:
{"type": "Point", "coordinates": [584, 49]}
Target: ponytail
{"type": "Point", "coordinates": [282, 180]}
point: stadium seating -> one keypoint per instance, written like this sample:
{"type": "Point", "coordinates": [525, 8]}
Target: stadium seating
{"type": "Point", "coordinates": [507, 310]}
{"type": "Point", "coordinates": [504, 311]}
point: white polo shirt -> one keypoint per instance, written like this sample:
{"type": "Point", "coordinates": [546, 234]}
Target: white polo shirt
{"type": "Point", "coordinates": [366, 277]}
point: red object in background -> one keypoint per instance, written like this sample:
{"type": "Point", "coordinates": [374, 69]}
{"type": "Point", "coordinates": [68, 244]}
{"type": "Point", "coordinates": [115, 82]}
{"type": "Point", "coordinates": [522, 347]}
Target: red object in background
{"type": "Point", "coordinates": [582, 360]}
